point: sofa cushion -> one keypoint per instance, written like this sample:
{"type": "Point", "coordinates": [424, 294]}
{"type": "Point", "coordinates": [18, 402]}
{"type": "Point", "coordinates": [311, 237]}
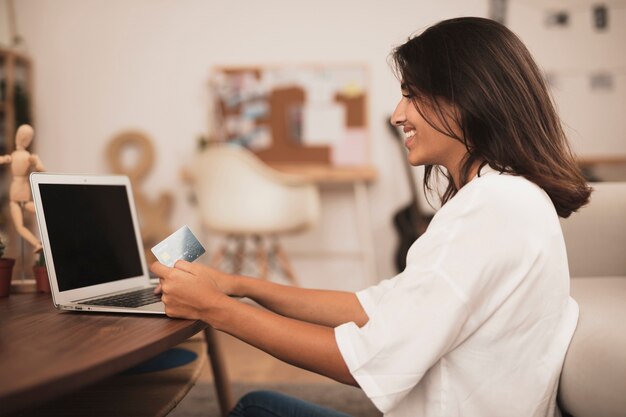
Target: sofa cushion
{"type": "Point", "coordinates": [596, 236]}
{"type": "Point", "coordinates": [593, 382]}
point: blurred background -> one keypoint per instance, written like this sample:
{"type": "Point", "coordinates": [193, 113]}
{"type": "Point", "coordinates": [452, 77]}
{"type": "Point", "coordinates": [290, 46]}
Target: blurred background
{"type": "Point", "coordinates": [93, 69]}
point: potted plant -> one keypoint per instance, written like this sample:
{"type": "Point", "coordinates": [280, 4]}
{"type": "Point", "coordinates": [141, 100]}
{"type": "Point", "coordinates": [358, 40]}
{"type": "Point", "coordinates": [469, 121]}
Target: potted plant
{"type": "Point", "coordinates": [6, 270]}
{"type": "Point", "coordinates": [41, 274]}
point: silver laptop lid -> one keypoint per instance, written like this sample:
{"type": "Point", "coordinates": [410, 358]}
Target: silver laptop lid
{"type": "Point", "coordinates": [90, 235]}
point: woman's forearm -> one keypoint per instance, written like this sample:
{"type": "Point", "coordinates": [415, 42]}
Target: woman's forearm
{"type": "Point", "coordinates": [323, 307]}
{"type": "Point", "coordinates": [305, 345]}
{"type": "Point", "coordinates": [197, 292]}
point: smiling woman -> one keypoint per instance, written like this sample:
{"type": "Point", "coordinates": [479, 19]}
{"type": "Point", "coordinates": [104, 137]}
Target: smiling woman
{"type": "Point", "coordinates": [473, 81]}
{"type": "Point", "coordinates": [479, 321]}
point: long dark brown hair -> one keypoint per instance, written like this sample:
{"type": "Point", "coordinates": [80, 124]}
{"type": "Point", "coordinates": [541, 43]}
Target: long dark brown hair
{"type": "Point", "coordinates": [503, 109]}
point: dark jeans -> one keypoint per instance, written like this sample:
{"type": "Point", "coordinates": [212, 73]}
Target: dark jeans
{"type": "Point", "coordinates": [274, 404]}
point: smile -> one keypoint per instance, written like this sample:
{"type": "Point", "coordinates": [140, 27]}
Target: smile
{"type": "Point", "coordinates": [409, 138]}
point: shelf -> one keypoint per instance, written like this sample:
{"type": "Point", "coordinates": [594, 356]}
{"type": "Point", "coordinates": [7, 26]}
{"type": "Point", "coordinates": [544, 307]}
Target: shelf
{"type": "Point", "coordinates": [16, 68]}
{"type": "Point", "coordinates": [17, 55]}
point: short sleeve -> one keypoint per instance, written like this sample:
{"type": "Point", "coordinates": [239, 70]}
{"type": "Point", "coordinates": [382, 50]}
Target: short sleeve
{"type": "Point", "coordinates": [413, 322]}
{"type": "Point", "coordinates": [371, 296]}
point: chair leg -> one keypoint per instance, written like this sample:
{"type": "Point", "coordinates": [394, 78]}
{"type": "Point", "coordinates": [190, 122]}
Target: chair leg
{"type": "Point", "coordinates": [220, 376]}
{"type": "Point", "coordinates": [284, 263]}
{"type": "Point", "coordinates": [218, 257]}
{"type": "Point", "coordinates": [239, 256]}
{"type": "Point", "coordinates": [261, 256]}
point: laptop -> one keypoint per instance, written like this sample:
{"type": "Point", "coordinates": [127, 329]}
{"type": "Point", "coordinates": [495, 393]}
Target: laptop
{"type": "Point", "coordinates": [92, 245]}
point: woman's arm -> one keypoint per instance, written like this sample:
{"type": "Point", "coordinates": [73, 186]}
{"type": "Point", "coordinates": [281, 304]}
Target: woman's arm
{"type": "Point", "coordinates": [306, 345]}
{"type": "Point", "coordinates": [323, 307]}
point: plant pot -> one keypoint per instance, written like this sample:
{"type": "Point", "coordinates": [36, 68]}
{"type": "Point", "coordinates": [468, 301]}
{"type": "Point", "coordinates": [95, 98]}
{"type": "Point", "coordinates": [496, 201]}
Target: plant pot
{"type": "Point", "coordinates": [6, 272]}
{"type": "Point", "coordinates": [41, 279]}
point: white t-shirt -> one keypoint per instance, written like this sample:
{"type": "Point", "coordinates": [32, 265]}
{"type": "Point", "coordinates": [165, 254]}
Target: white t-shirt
{"type": "Point", "coordinates": [479, 322]}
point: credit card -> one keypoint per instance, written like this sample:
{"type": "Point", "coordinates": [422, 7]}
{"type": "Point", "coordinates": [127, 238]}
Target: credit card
{"type": "Point", "coordinates": [182, 244]}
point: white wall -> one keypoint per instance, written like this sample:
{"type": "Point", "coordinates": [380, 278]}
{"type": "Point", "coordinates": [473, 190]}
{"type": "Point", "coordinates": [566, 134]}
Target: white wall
{"type": "Point", "coordinates": [593, 118]}
{"type": "Point", "coordinates": [103, 66]}
{"type": "Point", "coordinates": [5, 35]}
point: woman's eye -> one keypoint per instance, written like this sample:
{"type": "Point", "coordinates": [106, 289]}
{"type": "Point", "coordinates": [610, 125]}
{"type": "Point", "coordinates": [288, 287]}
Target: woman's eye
{"type": "Point", "coordinates": [407, 95]}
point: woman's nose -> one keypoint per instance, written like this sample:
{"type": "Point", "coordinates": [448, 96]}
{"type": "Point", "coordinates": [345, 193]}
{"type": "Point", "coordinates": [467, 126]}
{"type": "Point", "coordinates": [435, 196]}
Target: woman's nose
{"type": "Point", "coordinates": [397, 118]}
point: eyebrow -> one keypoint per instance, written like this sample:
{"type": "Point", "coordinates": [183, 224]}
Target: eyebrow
{"type": "Point", "coordinates": [404, 86]}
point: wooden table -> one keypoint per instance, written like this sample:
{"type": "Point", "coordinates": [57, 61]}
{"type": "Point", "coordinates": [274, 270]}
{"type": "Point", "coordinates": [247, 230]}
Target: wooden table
{"type": "Point", "coordinates": [45, 353]}
{"type": "Point", "coordinates": [327, 174]}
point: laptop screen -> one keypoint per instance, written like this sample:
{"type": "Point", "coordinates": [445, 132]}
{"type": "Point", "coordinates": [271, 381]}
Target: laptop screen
{"type": "Point", "coordinates": [91, 234]}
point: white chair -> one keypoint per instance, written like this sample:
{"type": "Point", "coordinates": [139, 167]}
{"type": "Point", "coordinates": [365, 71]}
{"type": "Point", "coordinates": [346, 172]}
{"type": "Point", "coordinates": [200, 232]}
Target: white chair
{"type": "Point", "coordinates": [242, 198]}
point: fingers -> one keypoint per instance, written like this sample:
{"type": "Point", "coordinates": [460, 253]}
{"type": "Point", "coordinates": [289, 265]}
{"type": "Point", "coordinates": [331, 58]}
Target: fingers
{"type": "Point", "coordinates": [185, 266]}
{"type": "Point", "coordinates": [167, 276]}
{"type": "Point", "coordinates": [158, 289]}
{"type": "Point", "coordinates": [162, 270]}
{"type": "Point", "coordinates": [159, 269]}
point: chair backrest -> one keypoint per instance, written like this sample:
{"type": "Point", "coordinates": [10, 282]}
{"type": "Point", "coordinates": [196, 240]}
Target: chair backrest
{"type": "Point", "coordinates": [596, 235]}
{"type": "Point", "coordinates": [239, 194]}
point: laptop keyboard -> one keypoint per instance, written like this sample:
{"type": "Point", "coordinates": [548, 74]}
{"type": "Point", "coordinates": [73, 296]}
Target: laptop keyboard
{"type": "Point", "coordinates": [131, 299]}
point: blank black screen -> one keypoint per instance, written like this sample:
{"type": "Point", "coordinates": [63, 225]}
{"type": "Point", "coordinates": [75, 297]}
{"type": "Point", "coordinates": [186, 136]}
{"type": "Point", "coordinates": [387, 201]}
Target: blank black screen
{"type": "Point", "coordinates": [91, 234]}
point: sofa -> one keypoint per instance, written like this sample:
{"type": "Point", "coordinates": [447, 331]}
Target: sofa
{"type": "Point", "coordinates": [593, 381]}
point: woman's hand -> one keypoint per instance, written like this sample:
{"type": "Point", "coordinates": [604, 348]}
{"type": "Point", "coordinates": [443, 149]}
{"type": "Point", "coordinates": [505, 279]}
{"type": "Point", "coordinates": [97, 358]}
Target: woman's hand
{"type": "Point", "coordinates": [191, 290]}
{"type": "Point", "coordinates": [225, 282]}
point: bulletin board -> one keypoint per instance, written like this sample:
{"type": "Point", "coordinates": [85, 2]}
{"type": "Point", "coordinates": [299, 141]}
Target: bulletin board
{"type": "Point", "coordinates": [314, 114]}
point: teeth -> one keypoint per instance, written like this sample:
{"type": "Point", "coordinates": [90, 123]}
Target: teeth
{"type": "Point", "coordinates": [409, 134]}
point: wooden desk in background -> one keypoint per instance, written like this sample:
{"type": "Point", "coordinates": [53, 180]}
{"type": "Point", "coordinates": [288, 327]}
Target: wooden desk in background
{"type": "Point", "coordinates": [593, 161]}
{"type": "Point", "coordinates": [358, 178]}
{"type": "Point", "coordinates": [607, 164]}
{"type": "Point", "coordinates": [45, 353]}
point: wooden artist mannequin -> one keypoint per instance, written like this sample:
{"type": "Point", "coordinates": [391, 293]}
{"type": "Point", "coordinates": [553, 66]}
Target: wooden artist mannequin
{"type": "Point", "coordinates": [22, 162]}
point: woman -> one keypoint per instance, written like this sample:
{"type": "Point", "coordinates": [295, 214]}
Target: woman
{"type": "Point", "coordinates": [479, 321]}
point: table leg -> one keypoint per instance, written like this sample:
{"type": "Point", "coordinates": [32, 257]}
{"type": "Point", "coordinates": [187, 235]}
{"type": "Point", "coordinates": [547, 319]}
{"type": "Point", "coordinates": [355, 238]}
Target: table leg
{"type": "Point", "coordinates": [365, 231]}
{"type": "Point", "coordinates": [220, 376]}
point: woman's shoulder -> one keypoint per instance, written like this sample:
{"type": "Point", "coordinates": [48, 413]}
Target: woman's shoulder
{"type": "Point", "coordinates": [505, 190]}
{"type": "Point", "coordinates": [509, 187]}
{"type": "Point", "coordinates": [496, 196]}
{"type": "Point", "coordinates": [495, 218]}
